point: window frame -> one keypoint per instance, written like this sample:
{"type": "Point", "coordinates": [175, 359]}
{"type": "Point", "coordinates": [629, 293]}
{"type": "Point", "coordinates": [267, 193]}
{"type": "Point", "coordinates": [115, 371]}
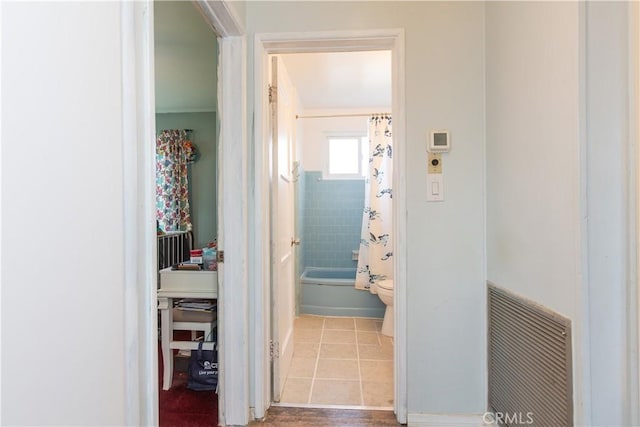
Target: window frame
{"type": "Point", "coordinates": [363, 139]}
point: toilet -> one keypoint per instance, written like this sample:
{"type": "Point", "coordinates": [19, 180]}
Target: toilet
{"type": "Point", "coordinates": [384, 288]}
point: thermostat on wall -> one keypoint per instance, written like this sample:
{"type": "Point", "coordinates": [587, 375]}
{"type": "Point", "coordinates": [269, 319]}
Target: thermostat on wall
{"type": "Point", "coordinates": [439, 141]}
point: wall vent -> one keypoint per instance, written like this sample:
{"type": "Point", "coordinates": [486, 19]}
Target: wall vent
{"type": "Point", "coordinates": [530, 368]}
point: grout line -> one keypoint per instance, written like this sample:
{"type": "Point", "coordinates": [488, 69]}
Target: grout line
{"type": "Point", "coordinates": [358, 359]}
{"type": "Point", "coordinates": [359, 371]}
{"type": "Point", "coordinates": [315, 368]}
{"type": "Point", "coordinates": [339, 358]}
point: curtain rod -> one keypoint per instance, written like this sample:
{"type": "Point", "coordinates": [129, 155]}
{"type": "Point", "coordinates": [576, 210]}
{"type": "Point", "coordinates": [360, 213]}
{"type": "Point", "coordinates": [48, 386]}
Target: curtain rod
{"type": "Point", "coordinates": [342, 115]}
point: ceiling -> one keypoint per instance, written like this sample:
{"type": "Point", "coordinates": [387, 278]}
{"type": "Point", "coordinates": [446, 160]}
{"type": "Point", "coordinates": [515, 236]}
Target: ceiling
{"type": "Point", "coordinates": [341, 80]}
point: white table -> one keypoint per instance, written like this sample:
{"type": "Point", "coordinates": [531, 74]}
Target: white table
{"type": "Point", "coordinates": [181, 284]}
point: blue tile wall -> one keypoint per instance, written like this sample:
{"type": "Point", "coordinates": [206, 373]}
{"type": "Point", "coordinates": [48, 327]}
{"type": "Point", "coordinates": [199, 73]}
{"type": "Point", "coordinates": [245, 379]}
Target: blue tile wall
{"type": "Point", "coordinates": [331, 218]}
{"type": "Point", "coordinates": [300, 201]}
{"type": "Point", "coordinates": [300, 231]}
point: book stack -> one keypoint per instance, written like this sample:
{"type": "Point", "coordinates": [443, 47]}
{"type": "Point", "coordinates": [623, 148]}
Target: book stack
{"type": "Point", "coordinates": [192, 304]}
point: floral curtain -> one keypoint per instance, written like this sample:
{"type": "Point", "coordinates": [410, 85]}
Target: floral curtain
{"type": "Point", "coordinates": [173, 151]}
{"type": "Point", "coordinates": [375, 260]}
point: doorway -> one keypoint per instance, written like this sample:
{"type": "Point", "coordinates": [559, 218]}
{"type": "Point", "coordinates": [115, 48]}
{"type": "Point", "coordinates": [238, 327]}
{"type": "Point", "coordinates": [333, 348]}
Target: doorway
{"type": "Point", "coordinates": [185, 71]}
{"type": "Point", "coordinates": [326, 107]}
{"type": "Point", "coordinates": [390, 40]}
{"type": "Point", "coordinates": [139, 161]}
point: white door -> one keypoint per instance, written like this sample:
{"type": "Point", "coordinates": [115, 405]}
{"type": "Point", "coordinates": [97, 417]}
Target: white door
{"type": "Point", "coordinates": [282, 224]}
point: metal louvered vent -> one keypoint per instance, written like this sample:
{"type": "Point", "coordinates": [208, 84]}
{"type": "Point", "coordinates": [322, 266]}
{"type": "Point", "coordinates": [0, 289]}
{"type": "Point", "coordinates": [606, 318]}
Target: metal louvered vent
{"type": "Point", "coordinates": [530, 381]}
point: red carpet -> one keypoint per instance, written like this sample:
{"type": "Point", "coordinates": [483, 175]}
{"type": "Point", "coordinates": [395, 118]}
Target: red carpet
{"type": "Point", "coordinates": [181, 407]}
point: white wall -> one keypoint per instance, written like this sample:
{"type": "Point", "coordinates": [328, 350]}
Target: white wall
{"type": "Point", "coordinates": [557, 153]}
{"type": "Point", "coordinates": [314, 144]}
{"type": "Point", "coordinates": [532, 151]}
{"type": "Point", "coordinates": [62, 215]}
{"type": "Point", "coordinates": [444, 89]}
{"type": "Point", "coordinates": [533, 157]}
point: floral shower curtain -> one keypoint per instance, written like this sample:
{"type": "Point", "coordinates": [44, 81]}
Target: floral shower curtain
{"type": "Point", "coordinates": [172, 186]}
{"type": "Point", "coordinates": [375, 260]}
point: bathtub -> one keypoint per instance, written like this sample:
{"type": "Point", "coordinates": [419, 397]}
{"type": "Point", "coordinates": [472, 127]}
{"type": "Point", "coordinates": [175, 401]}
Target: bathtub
{"type": "Point", "coordinates": [330, 292]}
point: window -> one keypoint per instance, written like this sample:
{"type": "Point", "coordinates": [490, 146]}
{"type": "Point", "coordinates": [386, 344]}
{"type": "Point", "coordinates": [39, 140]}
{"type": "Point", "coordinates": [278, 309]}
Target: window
{"type": "Point", "coordinates": [347, 157]}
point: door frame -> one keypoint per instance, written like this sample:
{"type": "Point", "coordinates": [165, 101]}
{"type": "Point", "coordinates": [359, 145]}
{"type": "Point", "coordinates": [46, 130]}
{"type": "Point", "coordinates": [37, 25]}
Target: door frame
{"type": "Point", "coordinates": [326, 41]}
{"type": "Point", "coordinates": [140, 280]}
{"type": "Point", "coordinates": [633, 290]}
{"type": "Point", "coordinates": [611, 289]}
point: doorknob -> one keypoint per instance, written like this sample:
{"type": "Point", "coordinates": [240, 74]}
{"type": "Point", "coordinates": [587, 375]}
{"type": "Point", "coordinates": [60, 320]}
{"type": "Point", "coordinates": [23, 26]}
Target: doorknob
{"type": "Point", "coordinates": [295, 241]}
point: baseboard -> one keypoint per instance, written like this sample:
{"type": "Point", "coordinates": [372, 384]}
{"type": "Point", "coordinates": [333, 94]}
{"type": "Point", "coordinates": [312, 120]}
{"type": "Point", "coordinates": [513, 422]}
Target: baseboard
{"type": "Point", "coordinates": [445, 420]}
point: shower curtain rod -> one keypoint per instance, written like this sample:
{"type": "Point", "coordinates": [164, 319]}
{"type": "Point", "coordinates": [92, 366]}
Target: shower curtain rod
{"type": "Point", "coordinates": [341, 115]}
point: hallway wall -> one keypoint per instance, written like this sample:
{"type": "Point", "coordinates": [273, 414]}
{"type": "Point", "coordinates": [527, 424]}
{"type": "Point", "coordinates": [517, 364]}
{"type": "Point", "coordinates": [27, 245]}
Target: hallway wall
{"type": "Point", "coordinates": [63, 240]}
{"type": "Point", "coordinates": [532, 151]}
{"type": "Point", "coordinates": [533, 157]}
{"type": "Point", "coordinates": [444, 89]}
{"type": "Point", "coordinates": [557, 165]}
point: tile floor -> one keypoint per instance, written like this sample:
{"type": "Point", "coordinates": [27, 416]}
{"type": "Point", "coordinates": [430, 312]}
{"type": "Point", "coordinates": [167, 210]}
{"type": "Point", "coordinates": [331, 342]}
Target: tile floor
{"type": "Point", "coordinates": [343, 361]}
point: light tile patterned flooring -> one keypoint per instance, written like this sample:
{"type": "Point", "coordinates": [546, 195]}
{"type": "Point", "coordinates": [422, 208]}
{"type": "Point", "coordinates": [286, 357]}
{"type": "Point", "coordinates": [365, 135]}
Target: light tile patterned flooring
{"type": "Point", "coordinates": [342, 361]}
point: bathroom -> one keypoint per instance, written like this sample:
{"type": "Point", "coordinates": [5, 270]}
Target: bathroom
{"type": "Point", "coordinates": [342, 355]}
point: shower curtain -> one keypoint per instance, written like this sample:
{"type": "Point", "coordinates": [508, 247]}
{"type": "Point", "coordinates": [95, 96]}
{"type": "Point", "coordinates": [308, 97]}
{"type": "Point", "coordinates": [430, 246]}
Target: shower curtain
{"type": "Point", "coordinates": [375, 259]}
{"type": "Point", "coordinates": [172, 186]}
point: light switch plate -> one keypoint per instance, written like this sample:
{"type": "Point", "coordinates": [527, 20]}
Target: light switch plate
{"type": "Point", "coordinates": [435, 187]}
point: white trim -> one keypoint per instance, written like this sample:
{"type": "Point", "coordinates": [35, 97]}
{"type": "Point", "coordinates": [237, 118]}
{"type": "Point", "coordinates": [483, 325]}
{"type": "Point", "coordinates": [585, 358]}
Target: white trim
{"type": "Point", "coordinates": [581, 332]}
{"type": "Point", "coordinates": [484, 365]}
{"type": "Point", "coordinates": [330, 41]}
{"type": "Point", "coordinates": [400, 355]}
{"type": "Point", "coordinates": [609, 239]}
{"type": "Point", "coordinates": [633, 293]}
{"type": "Point", "coordinates": [324, 406]}
{"type": "Point", "coordinates": [233, 332]}
{"type": "Point", "coordinates": [1, 3]}
{"type": "Point", "coordinates": [220, 17]}
{"type": "Point", "coordinates": [129, 160]}
{"type": "Point", "coordinates": [138, 120]}
{"type": "Point", "coordinates": [233, 228]}
{"type": "Point", "coordinates": [445, 420]}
